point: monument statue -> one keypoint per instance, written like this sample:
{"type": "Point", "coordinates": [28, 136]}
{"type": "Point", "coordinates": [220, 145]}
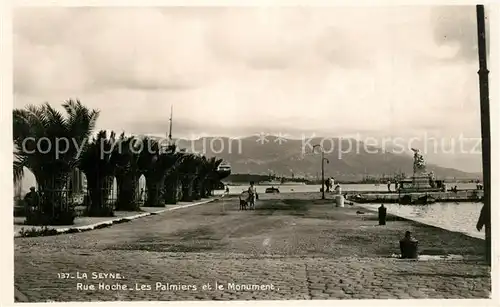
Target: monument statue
{"type": "Point", "coordinates": [418, 162]}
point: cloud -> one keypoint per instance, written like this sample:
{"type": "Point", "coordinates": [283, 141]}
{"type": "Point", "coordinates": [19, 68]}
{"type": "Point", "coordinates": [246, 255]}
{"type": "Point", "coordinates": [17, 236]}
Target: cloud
{"type": "Point", "coordinates": [231, 70]}
{"type": "Point", "coordinates": [457, 26]}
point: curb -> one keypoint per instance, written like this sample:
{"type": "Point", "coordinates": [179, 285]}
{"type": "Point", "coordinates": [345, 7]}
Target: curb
{"type": "Point", "coordinates": [118, 220]}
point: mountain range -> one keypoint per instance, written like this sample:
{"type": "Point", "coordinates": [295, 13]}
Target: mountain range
{"type": "Point", "coordinates": [284, 157]}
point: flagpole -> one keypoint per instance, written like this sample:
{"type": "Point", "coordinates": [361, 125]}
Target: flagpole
{"type": "Point", "coordinates": [485, 120]}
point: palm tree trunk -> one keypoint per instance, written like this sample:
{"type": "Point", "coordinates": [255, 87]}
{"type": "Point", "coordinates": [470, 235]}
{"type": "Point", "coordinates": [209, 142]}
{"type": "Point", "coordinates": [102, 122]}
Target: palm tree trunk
{"type": "Point", "coordinates": [54, 206]}
{"type": "Point", "coordinates": [171, 193]}
{"type": "Point", "coordinates": [127, 192]}
{"type": "Point", "coordinates": [155, 187]}
{"type": "Point", "coordinates": [180, 190]}
{"type": "Point", "coordinates": [196, 189]}
{"type": "Point", "coordinates": [203, 188]}
{"type": "Point", "coordinates": [99, 191]}
{"type": "Point", "coordinates": [187, 188]}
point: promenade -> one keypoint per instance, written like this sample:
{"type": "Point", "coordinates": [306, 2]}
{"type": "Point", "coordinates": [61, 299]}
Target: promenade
{"type": "Point", "coordinates": [296, 248]}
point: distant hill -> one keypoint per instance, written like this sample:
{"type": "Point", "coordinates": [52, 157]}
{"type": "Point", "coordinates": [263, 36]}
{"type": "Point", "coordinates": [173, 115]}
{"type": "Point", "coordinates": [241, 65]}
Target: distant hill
{"type": "Point", "coordinates": [252, 155]}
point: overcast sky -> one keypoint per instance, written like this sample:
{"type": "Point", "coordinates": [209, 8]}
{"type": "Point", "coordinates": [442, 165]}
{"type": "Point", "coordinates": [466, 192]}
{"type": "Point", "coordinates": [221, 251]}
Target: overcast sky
{"type": "Point", "coordinates": [396, 71]}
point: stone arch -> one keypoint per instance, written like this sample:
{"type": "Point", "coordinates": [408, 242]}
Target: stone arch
{"type": "Point", "coordinates": [114, 191]}
{"type": "Point", "coordinates": [142, 190]}
{"type": "Point", "coordinates": [23, 186]}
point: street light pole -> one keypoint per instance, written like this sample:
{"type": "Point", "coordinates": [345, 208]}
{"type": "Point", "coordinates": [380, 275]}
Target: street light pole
{"type": "Point", "coordinates": [323, 159]}
{"type": "Point", "coordinates": [485, 121]}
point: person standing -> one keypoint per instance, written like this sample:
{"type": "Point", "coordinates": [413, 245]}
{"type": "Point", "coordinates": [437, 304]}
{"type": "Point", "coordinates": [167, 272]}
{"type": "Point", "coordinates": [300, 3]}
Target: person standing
{"type": "Point", "coordinates": [485, 221]}
{"type": "Point", "coordinates": [389, 186]}
{"type": "Point", "coordinates": [252, 195]}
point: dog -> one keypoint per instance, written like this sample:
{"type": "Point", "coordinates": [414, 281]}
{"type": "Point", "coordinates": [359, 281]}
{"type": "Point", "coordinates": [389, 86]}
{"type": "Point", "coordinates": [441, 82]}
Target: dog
{"type": "Point", "coordinates": [244, 196]}
{"type": "Point", "coordinates": [243, 204]}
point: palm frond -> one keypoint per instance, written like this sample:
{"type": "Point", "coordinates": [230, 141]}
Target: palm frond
{"type": "Point", "coordinates": [18, 171]}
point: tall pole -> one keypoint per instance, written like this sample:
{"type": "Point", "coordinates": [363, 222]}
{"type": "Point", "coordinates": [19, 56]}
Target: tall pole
{"type": "Point", "coordinates": [485, 121]}
{"type": "Point", "coordinates": [322, 170]}
{"type": "Point", "coordinates": [322, 174]}
{"type": "Point", "coordinates": [170, 130]}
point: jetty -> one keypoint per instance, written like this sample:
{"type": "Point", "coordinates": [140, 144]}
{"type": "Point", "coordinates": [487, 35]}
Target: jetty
{"type": "Point", "coordinates": [467, 195]}
{"type": "Point", "coordinates": [419, 189]}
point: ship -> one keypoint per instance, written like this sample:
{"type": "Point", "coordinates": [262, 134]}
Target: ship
{"type": "Point", "coordinates": [224, 170]}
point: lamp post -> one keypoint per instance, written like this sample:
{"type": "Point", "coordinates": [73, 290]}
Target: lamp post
{"type": "Point", "coordinates": [323, 159]}
{"type": "Point", "coordinates": [485, 121]}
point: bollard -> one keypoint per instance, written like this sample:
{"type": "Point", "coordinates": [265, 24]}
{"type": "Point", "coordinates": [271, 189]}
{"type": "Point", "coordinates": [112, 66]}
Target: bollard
{"type": "Point", "coordinates": [382, 214]}
{"type": "Point", "coordinates": [339, 200]}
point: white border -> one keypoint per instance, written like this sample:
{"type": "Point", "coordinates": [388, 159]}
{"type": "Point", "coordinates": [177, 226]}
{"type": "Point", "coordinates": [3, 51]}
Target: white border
{"type": "Point", "coordinates": [6, 216]}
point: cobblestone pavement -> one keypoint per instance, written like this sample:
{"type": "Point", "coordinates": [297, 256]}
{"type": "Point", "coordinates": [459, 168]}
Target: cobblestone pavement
{"type": "Point", "coordinates": [291, 251]}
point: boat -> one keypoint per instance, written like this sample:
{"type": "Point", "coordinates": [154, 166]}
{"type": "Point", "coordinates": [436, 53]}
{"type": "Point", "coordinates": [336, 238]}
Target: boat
{"type": "Point", "coordinates": [273, 182]}
{"type": "Point", "coordinates": [420, 200]}
{"type": "Point", "coordinates": [224, 169]}
{"type": "Point", "coordinates": [272, 190]}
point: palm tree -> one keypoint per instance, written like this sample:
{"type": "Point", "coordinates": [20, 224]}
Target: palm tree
{"type": "Point", "coordinates": [187, 172]}
{"type": "Point", "coordinates": [213, 176]}
{"type": "Point", "coordinates": [172, 180]}
{"type": "Point", "coordinates": [40, 132]}
{"type": "Point", "coordinates": [126, 156]}
{"type": "Point", "coordinates": [155, 163]}
{"type": "Point", "coordinates": [99, 167]}
{"type": "Point", "coordinates": [203, 173]}
{"type": "Point", "coordinates": [199, 178]}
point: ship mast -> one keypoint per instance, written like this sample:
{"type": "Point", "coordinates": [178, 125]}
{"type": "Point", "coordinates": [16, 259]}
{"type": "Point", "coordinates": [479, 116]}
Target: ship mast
{"type": "Point", "coordinates": [170, 131]}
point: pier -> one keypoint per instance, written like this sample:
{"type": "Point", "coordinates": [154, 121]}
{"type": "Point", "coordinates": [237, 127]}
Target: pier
{"type": "Point", "coordinates": [468, 195]}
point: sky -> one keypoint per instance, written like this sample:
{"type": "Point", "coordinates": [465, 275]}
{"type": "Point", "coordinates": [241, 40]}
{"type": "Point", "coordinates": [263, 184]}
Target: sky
{"type": "Point", "coordinates": [381, 71]}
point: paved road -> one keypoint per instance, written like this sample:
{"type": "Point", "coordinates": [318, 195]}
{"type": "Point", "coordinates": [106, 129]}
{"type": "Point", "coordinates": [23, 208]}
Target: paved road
{"type": "Point", "coordinates": [285, 250]}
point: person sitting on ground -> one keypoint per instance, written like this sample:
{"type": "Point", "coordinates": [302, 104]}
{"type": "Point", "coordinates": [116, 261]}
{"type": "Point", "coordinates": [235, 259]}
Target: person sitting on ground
{"type": "Point", "coordinates": [32, 200]}
{"type": "Point", "coordinates": [408, 246]}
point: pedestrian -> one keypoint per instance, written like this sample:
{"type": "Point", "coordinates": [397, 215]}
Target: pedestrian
{"type": "Point", "coordinates": [252, 195]}
{"type": "Point", "coordinates": [382, 214]}
{"type": "Point", "coordinates": [485, 220]}
{"type": "Point", "coordinates": [389, 186]}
